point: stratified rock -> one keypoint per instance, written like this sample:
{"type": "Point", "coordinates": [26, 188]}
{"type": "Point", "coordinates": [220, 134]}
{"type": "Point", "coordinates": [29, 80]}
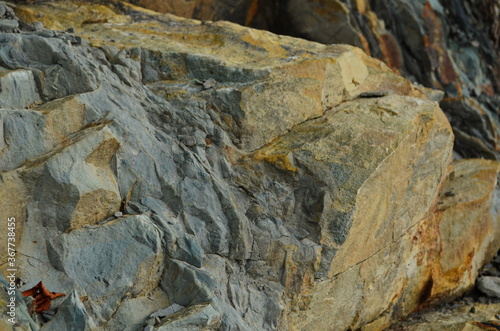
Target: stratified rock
{"type": "Point", "coordinates": [18, 89]}
{"type": "Point", "coordinates": [449, 45]}
{"type": "Point", "coordinates": [336, 194]}
{"type": "Point", "coordinates": [262, 182]}
{"type": "Point", "coordinates": [195, 317]}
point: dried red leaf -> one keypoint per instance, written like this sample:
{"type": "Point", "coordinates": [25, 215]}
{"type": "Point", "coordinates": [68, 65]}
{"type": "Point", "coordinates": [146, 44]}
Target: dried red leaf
{"type": "Point", "coordinates": [42, 297]}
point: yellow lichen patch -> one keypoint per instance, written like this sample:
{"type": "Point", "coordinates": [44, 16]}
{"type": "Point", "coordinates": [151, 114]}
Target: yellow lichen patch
{"type": "Point", "coordinates": [66, 15]}
{"type": "Point", "coordinates": [101, 156]}
{"type": "Point", "coordinates": [464, 224]}
{"type": "Point", "coordinates": [274, 49]}
{"type": "Point", "coordinates": [93, 207]}
{"type": "Point", "coordinates": [283, 162]}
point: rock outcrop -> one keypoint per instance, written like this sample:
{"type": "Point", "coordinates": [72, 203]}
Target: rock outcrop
{"type": "Point", "coordinates": [227, 177]}
{"type": "Point", "coordinates": [447, 45]}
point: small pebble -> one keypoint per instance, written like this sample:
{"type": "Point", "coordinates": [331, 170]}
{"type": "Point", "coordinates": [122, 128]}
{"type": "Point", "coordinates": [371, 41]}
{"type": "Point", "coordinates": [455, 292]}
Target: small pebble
{"type": "Point", "coordinates": [209, 83]}
{"type": "Point", "coordinates": [118, 214]}
{"type": "Point", "coordinates": [473, 310]}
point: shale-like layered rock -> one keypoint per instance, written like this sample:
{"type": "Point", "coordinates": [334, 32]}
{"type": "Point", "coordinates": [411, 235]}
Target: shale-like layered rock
{"type": "Point", "coordinates": [448, 45]}
{"type": "Point", "coordinates": [173, 174]}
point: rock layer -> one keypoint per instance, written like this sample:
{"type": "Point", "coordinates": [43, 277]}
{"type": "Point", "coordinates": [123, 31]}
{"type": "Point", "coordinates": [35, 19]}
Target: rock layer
{"type": "Point", "coordinates": [255, 181]}
{"type": "Point", "coordinates": [445, 44]}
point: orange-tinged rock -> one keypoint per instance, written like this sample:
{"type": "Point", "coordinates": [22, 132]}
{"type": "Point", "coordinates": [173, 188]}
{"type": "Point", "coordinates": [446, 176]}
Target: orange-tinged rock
{"type": "Point", "coordinates": [468, 232]}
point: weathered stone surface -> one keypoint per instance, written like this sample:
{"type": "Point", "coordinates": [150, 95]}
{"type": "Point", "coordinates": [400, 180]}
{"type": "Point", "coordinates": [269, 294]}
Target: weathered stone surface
{"type": "Point", "coordinates": [309, 77]}
{"type": "Point", "coordinates": [459, 317]}
{"type": "Point", "coordinates": [18, 89]}
{"type": "Point", "coordinates": [448, 45]}
{"type": "Point", "coordinates": [262, 182]}
{"type": "Point", "coordinates": [489, 285]}
{"type": "Point", "coordinates": [71, 316]}
{"type": "Point", "coordinates": [20, 317]}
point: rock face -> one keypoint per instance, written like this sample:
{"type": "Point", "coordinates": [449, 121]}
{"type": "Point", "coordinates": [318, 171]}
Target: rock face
{"type": "Point", "coordinates": [252, 181]}
{"type": "Point", "coordinates": [448, 45]}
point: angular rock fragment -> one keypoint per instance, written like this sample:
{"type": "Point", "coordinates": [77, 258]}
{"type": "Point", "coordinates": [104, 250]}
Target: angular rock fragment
{"type": "Point", "coordinates": [489, 285]}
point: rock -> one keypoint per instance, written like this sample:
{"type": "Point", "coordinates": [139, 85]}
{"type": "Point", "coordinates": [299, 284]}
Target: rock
{"type": "Point", "coordinates": [71, 315]}
{"type": "Point", "coordinates": [18, 89]}
{"type": "Point", "coordinates": [489, 285]}
{"type": "Point", "coordinates": [7, 25]}
{"type": "Point", "coordinates": [167, 311]}
{"type": "Point", "coordinates": [447, 45]}
{"type": "Point", "coordinates": [468, 236]}
{"type": "Point", "coordinates": [105, 269]}
{"type": "Point", "coordinates": [459, 318]}
{"type": "Point", "coordinates": [19, 315]}
{"type": "Point", "coordinates": [300, 190]}
{"type": "Point", "coordinates": [195, 317]}
{"type": "Point", "coordinates": [132, 313]}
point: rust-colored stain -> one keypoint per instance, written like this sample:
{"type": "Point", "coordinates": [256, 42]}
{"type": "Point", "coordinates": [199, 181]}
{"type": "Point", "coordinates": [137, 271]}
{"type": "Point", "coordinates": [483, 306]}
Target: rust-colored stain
{"type": "Point", "coordinates": [251, 12]}
{"type": "Point", "coordinates": [364, 43]}
{"type": "Point", "coordinates": [436, 48]}
{"type": "Point", "coordinates": [390, 51]}
{"type": "Point", "coordinates": [42, 297]}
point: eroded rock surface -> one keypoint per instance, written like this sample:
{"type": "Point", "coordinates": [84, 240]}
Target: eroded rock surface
{"type": "Point", "coordinates": [257, 181]}
{"type": "Point", "coordinates": [448, 45]}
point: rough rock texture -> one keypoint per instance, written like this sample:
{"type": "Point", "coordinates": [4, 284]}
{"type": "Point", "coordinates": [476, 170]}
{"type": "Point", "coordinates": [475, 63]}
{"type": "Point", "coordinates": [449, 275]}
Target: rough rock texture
{"type": "Point", "coordinates": [465, 316]}
{"type": "Point", "coordinates": [22, 316]}
{"type": "Point", "coordinates": [449, 45]}
{"type": "Point", "coordinates": [257, 181]}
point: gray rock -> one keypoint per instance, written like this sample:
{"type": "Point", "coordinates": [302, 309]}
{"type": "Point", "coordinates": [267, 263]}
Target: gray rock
{"type": "Point", "coordinates": [71, 315]}
{"type": "Point", "coordinates": [18, 89]}
{"type": "Point", "coordinates": [167, 311]}
{"type": "Point", "coordinates": [195, 317]}
{"type": "Point", "coordinates": [489, 285]}
{"type": "Point", "coordinates": [104, 260]}
{"type": "Point", "coordinates": [38, 26]}
{"type": "Point", "coordinates": [7, 25]}
{"type": "Point", "coordinates": [188, 285]}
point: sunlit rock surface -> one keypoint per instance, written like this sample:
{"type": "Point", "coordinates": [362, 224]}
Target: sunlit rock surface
{"type": "Point", "coordinates": [257, 181]}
